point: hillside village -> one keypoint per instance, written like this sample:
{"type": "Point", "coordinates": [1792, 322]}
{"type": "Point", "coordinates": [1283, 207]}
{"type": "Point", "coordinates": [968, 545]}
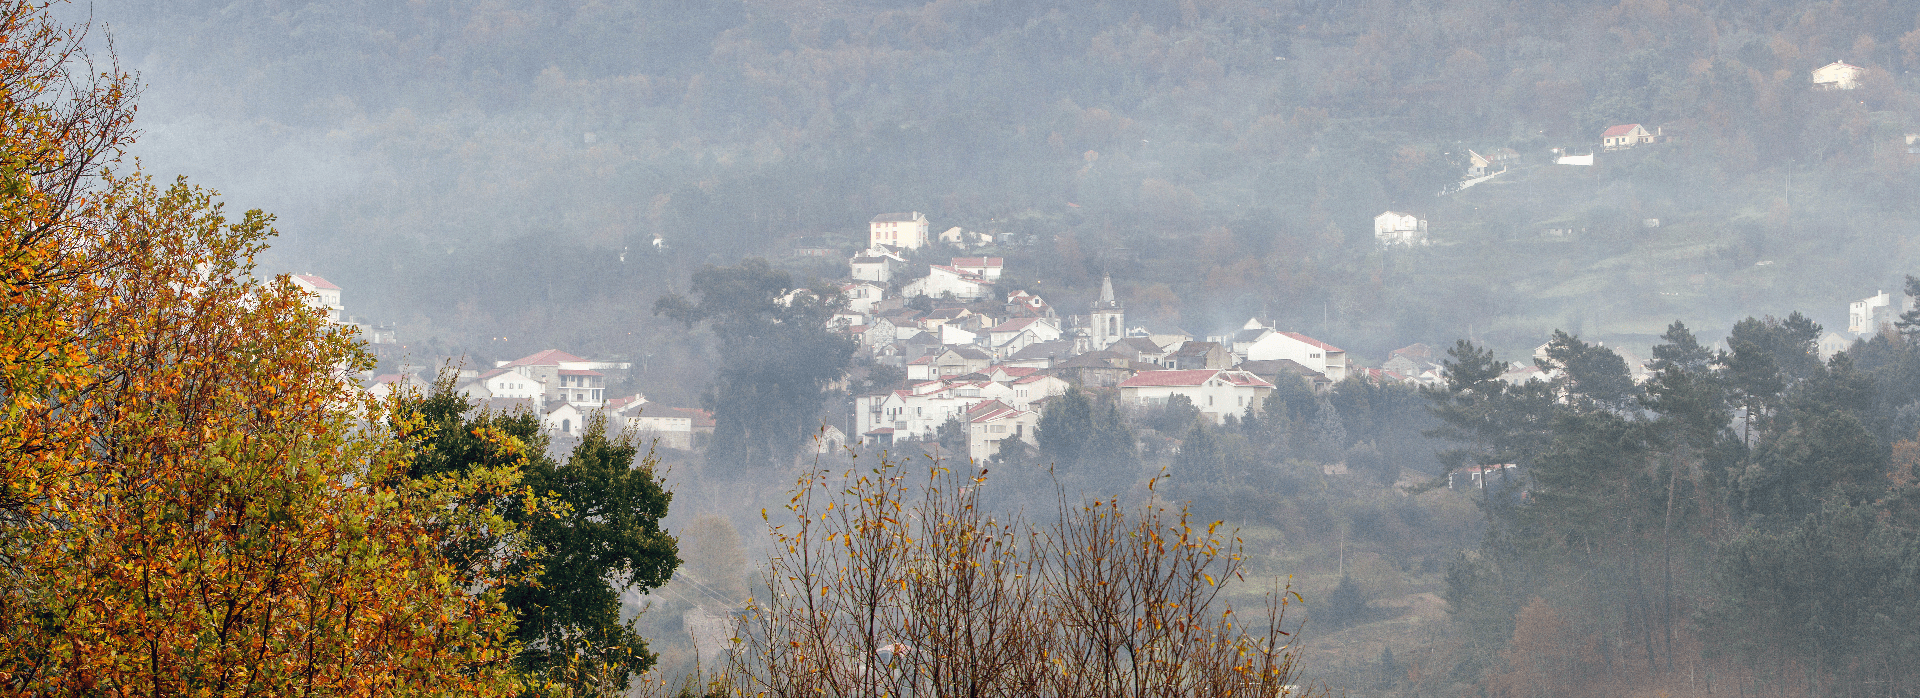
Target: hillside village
{"type": "Point", "coordinates": [971, 348]}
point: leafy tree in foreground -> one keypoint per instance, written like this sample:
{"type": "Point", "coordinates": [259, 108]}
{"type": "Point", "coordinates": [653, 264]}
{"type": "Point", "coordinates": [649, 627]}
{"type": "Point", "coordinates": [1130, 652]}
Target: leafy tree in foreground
{"type": "Point", "coordinates": [193, 502]}
{"type": "Point", "coordinates": [596, 530]}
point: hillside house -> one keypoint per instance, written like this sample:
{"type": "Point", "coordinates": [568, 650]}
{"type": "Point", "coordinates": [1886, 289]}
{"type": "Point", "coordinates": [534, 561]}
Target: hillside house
{"type": "Point", "coordinates": [903, 230]}
{"type": "Point", "coordinates": [942, 281]}
{"type": "Point", "coordinates": [877, 266]}
{"type": "Point", "coordinates": [1167, 336]}
{"type": "Point", "coordinates": [1218, 393]}
{"type": "Point", "coordinates": [992, 422]}
{"type": "Point", "coordinates": [1301, 349]}
{"type": "Point", "coordinates": [1276, 370]}
{"type": "Point", "coordinates": [1873, 314]}
{"type": "Point", "coordinates": [564, 418]}
{"type": "Point", "coordinates": [507, 383]}
{"type": "Point", "coordinates": [1477, 164]}
{"type": "Point", "coordinates": [1041, 355]}
{"type": "Point", "coordinates": [672, 427]}
{"type": "Point", "coordinates": [321, 295]}
{"type": "Point", "coordinates": [1098, 368]}
{"type": "Point", "coordinates": [1139, 350]}
{"type": "Point", "coordinates": [1035, 329]}
{"type": "Point", "coordinates": [1832, 343]}
{"type": "Point", "coordinates": [565, 377]}
{"type": "Point", "coordinates": [1624, 136]}
{"type": "Point", "coordinates": [1193, 356]}
{"type": "Point", "coordinates": [1034, 388]}
{"type": "Point", "coordinates": [1395, 228]}
{"type": "Point", "coordinates": [1023, 304]}
{"type": "Point", "coordinates": [1838, 75]}
{"type": "Point", "coordinates": [828, 440]}
{"type": "Point", "coordinates": [863, 296]}
{"type": "Point", "coordinates": [1476, 476]}
{"type": "Point", "coordinates": [988, 268]}
{"type": "Point", "coordinates": [916, 412]}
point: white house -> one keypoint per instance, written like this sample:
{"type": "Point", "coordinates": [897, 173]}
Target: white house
{"type": "Point", "coordinates": [862, 296]}
{"type": "Point", "coordinates": [1832, 343]}
{"type": "Point", "coordinates": [916, 412]}
{"type": "Point", "coordinates": [502, 382]}
{"type": "Point", "coordinates": [876, 265]}
{"type": "Point", "coordinates": [1870, 315]}
{"type": "Point", "coordinates": [1043, 330]}
{"type": "Point", "coordinates": [1217, 392]}
{"type": "Point", "coordinates": [988, 268]}
{"type": "Point", "coordinates": [942, 280]}
{"type": "Point", "coordinates": [1838, 75]}
{"type": "Point", "coordinates": [903, 230]}
{"type": "Point", "coordinates": [565, 418]}
{"type": "Point", "coordinates": [1299, 348]}
{"type": "Point", "coordinates": [1395, 228]}
{"type": "Point", "coordinates": [321, 295]}
{"type": "Point", "coordinates": [565, 377]}
{"type": "Point", "coordinates": [992, 422]}
{"type": "Point", "coordinates": [1625, 136]}
{"type": "Point", "coordinates": [1035, 387]}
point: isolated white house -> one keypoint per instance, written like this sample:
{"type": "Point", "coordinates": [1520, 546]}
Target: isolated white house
{"type": "Point", "coordinates": [1625, 136]}
{"type": "Point", "coordinates": [1838, 75]}
{"type": "Point", "coordinates": [1395, 228]}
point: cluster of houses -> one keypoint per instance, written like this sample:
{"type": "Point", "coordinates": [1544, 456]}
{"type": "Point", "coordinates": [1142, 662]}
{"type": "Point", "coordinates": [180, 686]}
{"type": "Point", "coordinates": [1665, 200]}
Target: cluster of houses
{"type": "Point", "coordinates": [990, 360]}
{"type": "Point", "coordinates": [562, 389]}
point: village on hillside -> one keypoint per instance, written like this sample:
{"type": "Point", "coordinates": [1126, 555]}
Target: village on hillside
{"type": "Point", "coordinates": [972, 349]}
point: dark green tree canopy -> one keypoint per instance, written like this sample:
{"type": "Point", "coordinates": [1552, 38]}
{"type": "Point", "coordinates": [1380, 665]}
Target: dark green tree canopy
{"type": "Point", "coordinates": [778, 357]}
{"type": "Point", "coordinates": [598, 533]}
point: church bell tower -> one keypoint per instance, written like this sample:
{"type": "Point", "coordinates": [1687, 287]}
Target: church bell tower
{"type": "Point", "coordinates": [1109, 318]}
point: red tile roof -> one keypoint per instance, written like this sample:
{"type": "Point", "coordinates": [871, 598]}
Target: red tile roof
{"type": "Point", "coordinates": [1621, 130]}
{"type": "Point", "coordinates": [1312, 341]}
{"type": "Point", "coordinates": [550, 357]}
{"type": "Point", "coordinates": [317, 282]}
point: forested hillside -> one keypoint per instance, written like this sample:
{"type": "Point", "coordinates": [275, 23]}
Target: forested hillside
{"type": "Point", "coordinates": [497, 157]}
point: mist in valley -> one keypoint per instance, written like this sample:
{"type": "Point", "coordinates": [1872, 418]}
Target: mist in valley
{"type": "Point", "coordinates": [1543, 348]}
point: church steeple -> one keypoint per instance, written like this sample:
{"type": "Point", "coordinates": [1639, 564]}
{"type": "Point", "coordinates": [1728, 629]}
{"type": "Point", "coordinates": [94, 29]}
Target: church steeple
{"type": "Point", "coordinates": [1109, 317]}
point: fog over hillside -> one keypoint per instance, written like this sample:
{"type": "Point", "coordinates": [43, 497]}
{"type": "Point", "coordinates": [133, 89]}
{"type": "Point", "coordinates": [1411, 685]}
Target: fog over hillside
{"type": "Point", "coordinates": [679, 194]}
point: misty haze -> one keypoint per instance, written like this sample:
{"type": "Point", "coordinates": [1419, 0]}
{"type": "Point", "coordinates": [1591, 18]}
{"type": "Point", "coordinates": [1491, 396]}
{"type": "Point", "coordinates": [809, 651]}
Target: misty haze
{"type": "Point", "coordinates": [1465, 348]}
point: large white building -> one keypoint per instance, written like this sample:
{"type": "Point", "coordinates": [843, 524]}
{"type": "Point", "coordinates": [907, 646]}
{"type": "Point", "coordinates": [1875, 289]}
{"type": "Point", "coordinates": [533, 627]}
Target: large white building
{"type": "Point", "coordinates": [903, 230]}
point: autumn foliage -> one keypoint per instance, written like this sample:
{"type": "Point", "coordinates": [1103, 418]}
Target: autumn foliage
{"type": "Point", "coordinates": [193, 499]}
